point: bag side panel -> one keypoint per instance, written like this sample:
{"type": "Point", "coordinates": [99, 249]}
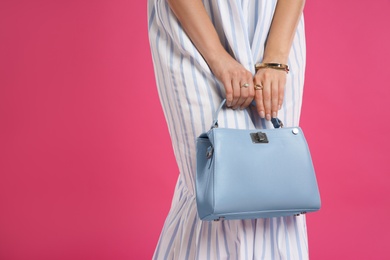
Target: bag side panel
{"type": "Point", "coordinates": [204, 178]}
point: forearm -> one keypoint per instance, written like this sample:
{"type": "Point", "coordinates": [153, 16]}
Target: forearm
{"type": "Point", "coordinates": [198, 26]}
{"type": "Point", "coordinates": [285, 21]}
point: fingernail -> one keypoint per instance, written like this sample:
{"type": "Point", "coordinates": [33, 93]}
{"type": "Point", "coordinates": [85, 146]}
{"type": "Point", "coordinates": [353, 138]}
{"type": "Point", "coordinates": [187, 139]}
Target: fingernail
{"type": "Point", "coordinates": [262, 115]}
{"type": "Point", "coordinates": [268, 117]}
{"type": "Point", "coordinates": [280, 107]}
{"type": "Point", "coordinates": [273, 114]}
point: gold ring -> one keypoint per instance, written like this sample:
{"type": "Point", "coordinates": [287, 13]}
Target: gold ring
{"type": "Point", "coordinates": [258, 87]}
{"type": "Point", "coordinates": [245, 85]}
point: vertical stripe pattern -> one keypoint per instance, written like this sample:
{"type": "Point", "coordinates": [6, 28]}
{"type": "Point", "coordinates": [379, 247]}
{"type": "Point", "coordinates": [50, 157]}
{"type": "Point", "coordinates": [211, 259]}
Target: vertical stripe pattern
{"type": "Point", "coordinates": [189, 95]}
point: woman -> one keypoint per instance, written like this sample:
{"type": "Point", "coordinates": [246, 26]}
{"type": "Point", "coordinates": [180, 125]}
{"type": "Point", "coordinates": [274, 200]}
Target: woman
{"type": "Point", "coordinates": [204, 51]}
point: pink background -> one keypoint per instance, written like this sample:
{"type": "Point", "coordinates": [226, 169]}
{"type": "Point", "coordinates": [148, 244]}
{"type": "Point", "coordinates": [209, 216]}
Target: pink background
{"type": "Point", "coordinates": [86, 165]}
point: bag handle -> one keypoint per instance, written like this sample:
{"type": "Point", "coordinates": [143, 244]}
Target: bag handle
{"type": "Point", "coordinates": [275, 121]}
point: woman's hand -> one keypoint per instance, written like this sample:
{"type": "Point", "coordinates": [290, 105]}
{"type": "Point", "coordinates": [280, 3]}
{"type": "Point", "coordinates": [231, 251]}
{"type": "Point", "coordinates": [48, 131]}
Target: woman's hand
{"type": "Point", "coordinates": [237, 81]}
{"type": "Point", "coordinates": [284, 23]}
{"type": "Point", "coordinates": [269, 98]}
{"type": "Point", "coordinates": [198, 26]}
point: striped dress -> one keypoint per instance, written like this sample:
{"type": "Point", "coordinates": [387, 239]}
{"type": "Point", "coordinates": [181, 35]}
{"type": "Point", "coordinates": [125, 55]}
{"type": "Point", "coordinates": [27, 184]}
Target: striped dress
{"type": "Point", "coordinates": [189, 94]}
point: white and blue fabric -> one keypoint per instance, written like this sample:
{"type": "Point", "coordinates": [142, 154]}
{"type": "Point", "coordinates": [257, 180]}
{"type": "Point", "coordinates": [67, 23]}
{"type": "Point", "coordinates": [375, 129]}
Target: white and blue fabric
{"type": "Point", "coordinates": [189, 95]}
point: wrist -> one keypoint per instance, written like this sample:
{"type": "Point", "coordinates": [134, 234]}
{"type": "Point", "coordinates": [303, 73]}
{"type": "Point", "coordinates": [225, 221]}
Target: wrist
{"type": "Point", "coordinates": [275, 56]}
{"type": "Point", "coordinates": [216, 56]}
{"type": "Point", "coordinates": [275, 59]}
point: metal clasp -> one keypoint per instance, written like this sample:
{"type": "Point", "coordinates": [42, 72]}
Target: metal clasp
{"type": "Point", "coordinates": [209, 152]}
{"type": "Point", "coordinates": [298, 214]}
{"type": "Point", "coordinates": [259, 138]}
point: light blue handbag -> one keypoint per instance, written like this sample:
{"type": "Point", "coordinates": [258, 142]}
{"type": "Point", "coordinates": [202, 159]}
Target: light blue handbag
{"type": "Point", "coordinates": [261, 173]}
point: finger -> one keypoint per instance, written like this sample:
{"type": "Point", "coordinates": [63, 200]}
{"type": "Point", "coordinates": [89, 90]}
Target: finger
{"type": "Point", "coordinates": [282, 86]}
{"type": "Point", "coordinates": [244, 93]}
{"type": "Point", "coordinates": [267, 99]}
{"type": "Point", "coordinates": [251, 94]}
{"type": "Point", "coordinates": [236, 92]}
{"type": "Point", "coordinates": [274, 98]}
{"type": "Point", "coordinates": [259, 99]}
{"type": "Point", "coordinates": [229, 92]}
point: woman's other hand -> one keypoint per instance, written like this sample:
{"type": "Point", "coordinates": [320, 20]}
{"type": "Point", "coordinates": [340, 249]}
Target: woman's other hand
{"type": "Point", "coordinates": [237, 81]}
{"type": "Point", "coordinates": [269, 98]}
{"type": "Point", "coordinates": [282, 32]}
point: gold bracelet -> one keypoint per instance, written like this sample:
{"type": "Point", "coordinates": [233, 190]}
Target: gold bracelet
{"type": "Point", "coordinates": [276, 66]}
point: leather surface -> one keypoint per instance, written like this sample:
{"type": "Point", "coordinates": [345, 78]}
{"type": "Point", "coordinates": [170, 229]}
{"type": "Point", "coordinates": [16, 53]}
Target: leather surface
{"type": "Point", "coordinates": [243, 179]}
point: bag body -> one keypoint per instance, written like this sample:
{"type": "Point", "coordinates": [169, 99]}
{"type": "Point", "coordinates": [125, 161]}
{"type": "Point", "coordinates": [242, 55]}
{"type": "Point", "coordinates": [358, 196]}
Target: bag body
{"type": "Point", "coordinates": [261, 173]}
